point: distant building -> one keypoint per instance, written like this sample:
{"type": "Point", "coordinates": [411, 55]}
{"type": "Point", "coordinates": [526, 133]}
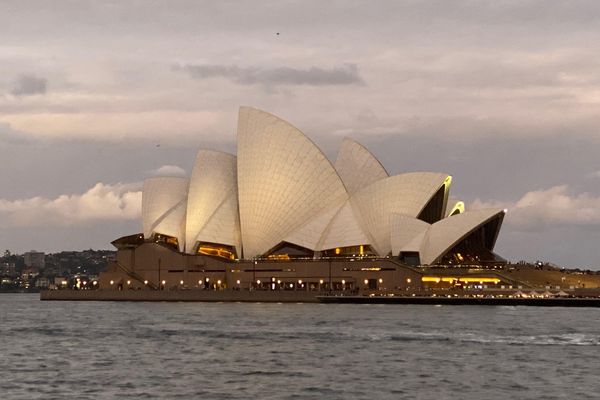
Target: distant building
{"type": "Point", "coordinates": [42, 283]}
{"type": "Point", "coordinates": [7, 269]}
{"type": "Point", "coordinates": [35, 259]}
{"type": "Point", "coordinates": [30, 272]}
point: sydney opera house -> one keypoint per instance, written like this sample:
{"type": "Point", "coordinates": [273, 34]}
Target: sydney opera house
{"type": "Point", "coordinates": [280, 214]}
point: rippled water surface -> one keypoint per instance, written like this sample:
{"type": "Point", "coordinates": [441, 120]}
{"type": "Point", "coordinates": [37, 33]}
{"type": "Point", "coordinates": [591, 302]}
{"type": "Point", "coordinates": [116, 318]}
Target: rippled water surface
{"type": "Point", "coordinates": [94, 350]}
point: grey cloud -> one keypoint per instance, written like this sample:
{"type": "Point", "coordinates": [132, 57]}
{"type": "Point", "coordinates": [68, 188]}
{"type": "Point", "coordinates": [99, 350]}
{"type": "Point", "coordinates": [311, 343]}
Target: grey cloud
{"type": "Point", "coordinates": [12, 136]}
{"type": "Point", "coordinates": [27, 85]}
{"type": "Point", "coordinates": [345, 75]}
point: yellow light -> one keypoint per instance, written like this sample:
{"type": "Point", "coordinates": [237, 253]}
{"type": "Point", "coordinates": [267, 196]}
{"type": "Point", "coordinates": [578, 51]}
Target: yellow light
{"type": "Point", "coordinates": [343, 281]}
{"type": "Point", "coordinates": [452, 279]}
{"type": "Point", "coordinates": [219, 282]}
{"type": "Point", "coordinates": [366, 281]}
{"type": "Point", "coordinates": [361, 250]}
{"type": "Point", "coordinates": [458, 208]}
{"type": "Point", "coordinates": [371, 269]}
{"type": "Point", "coordinates": [111, 282]}
{"type": "Point", "coordinates": [479, 280]}
{"type": "Point", "coordinates": [199, 282]}
{"type": "Point", "coordinates": [321, 281]}
{"type": "Point", "coordinates": [238, 282]}
{"type": "Point", "coordinates": [145, 282]}
{"type": "Point", "coordinates": [300, 281]}
{"type": "Point", "coordinates": [337, 250]}
{"type": "Point", "coordinates": [258, 281]}
{"type": "Point", "coordinates": [380, 280]}
{"type": "Point", "coordinates": [94, 283]}
{"type": "Point", "coordinates": [181, 282]}
{"type": "Point", "coordinates": [279, 281]}
{"type": "Point", "coordinates": [408, 280]}
{"type": "Point", "coordinates": [163, 282]}
{"type": "Point", "coordinates": [129, 282]}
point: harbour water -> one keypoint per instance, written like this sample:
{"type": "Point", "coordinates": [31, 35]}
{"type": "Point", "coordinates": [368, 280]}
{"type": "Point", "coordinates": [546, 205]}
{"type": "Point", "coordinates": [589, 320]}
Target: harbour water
{"type": "Point", "coordinates": [97, 350]}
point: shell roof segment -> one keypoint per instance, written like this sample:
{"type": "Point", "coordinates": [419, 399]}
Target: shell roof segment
{"type": "Point", "coordinates": [283, 180]}
{"type": "Point", "coordinates": [444, 234]}
{"type": "Point", "coordinates": [212, 204]}
{"type": "Point", "coordinates": [405, 194]}
{"type": "Point", "coordinates": [357, 166]}
{"type": "Point", "coordinates": [164, 204]}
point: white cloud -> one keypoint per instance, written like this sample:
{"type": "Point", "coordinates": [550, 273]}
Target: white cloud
{"type": "Point", "coordinates": [595, 174]}
{"type": "Point", "coordinates": [168, 170]}
{"type": "Point", "coordinates": [27, 85]}
{"type": "Point", "coordinates": [100, 203]}
{"type": "Point", "coordinates": [540, 209]}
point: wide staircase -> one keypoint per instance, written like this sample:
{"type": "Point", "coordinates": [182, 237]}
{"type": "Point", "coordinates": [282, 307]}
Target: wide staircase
{"type": "Point", "coordinates": [135, 275]}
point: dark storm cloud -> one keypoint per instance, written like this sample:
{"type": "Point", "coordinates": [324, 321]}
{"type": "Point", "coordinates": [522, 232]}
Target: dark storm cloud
{"type": "Point", "coordinates": [27, 85]}
{"type": "Point", "coordinates": [314, 76]}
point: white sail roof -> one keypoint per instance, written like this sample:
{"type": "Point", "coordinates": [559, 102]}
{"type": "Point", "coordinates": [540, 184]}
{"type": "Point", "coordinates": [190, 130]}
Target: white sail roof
{"type": "Point", "coordinates": [357, 166]}
{"type": "Point", "coordinates": [212, 204]}
{"type": "Point", "coordinates": [284, 180]}
{"type": "Point", "coordinates": [405, 194]}
{"type": "Point", "coordinates": [281, 187]}
{"type": "Point", "coordinates": [445, 234]}
{"type": "Point", "coordinates": [164, 202]}
{"type": "Point", "coordinates": [343, 230]}
{"type": "Point", "coordinates": [309, 235]}
{"type": "Point", "coordinates": [405, 233]}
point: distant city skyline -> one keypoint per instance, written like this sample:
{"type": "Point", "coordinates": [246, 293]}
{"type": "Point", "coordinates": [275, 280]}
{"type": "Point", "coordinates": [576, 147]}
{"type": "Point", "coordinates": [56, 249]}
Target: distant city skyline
{"type": "Point", "coordinates": [96, 96]}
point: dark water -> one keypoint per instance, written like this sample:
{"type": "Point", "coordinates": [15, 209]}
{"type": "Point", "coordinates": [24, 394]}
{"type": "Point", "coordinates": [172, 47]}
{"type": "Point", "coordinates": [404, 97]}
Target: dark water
{"type": "Point", "coordinates": [89, 350]}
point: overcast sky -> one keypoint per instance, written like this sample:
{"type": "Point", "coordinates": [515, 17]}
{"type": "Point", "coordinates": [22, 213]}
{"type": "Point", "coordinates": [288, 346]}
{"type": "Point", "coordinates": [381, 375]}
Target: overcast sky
{"type": "Point", "coordinates": [503, 95]}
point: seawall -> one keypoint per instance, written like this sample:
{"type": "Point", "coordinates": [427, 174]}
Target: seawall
{"type": "Point", "coordinates": [183, 295]}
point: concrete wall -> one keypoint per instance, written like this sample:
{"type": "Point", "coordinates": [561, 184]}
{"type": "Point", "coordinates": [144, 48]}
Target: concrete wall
{"type": "Point", "coordinates": [156, 263]}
